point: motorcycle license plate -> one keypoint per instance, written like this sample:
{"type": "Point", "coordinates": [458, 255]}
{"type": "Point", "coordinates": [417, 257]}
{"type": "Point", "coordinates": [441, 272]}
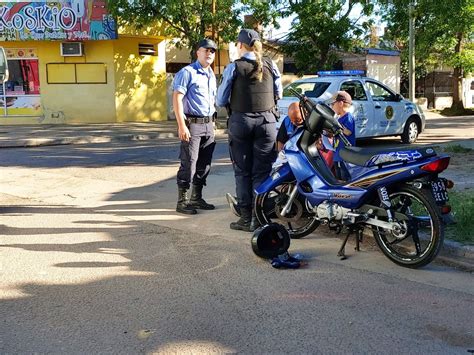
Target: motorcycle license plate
{"type": "Point", "coordinates": [439, 191]}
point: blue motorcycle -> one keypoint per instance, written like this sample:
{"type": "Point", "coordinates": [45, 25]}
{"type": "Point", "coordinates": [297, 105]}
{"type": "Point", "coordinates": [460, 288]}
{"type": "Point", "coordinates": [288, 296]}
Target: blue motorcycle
{"type": "Point", "coordinates": [395, 192]}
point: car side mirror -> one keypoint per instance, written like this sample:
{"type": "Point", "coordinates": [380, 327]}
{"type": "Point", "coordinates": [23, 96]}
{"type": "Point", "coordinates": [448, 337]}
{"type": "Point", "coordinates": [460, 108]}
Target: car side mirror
{"type": "Point", "coordinates": [398, 97]}
{"type": "Point", "coordinates": [3, 66]}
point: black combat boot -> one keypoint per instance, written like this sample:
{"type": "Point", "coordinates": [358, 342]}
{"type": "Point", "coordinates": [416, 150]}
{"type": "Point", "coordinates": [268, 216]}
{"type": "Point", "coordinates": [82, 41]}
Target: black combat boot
{"type": "Point", "coordinates": [182, 205]}
{"type": "Point", "coordinates": [243, 224]}
{"type": "Point", "coordinates": [197, 201]}
{"type": "Point", "coordinates": [254, 223]}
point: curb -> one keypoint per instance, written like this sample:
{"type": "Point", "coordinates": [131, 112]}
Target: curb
{"type": "Point", "coordinates": [41, 142]}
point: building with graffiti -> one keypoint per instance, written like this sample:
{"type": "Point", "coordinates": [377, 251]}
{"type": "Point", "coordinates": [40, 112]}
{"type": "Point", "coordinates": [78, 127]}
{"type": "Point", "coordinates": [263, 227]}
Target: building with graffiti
{"type": "Point", "coordinates": [68, 63]}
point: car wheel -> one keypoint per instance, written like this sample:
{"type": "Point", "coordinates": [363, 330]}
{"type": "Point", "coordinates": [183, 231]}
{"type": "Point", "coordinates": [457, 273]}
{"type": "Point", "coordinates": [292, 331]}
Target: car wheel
{"type": "Point", "coordinates": [410, 132]}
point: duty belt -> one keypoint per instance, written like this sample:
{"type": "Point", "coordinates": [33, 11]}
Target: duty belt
{"type": "Point", "coordinates": [200, 119]}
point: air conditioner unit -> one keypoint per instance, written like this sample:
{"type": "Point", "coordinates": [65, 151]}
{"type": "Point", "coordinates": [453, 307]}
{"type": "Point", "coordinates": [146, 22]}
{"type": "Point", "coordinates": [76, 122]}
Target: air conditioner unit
{"type": "Point", "coordinates": [72, 49]}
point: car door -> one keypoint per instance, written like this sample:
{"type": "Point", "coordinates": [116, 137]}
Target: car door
{"type": "Point", "coordinates": [361, 107]}
{"type": "Point", "coordinates": [388, 110]}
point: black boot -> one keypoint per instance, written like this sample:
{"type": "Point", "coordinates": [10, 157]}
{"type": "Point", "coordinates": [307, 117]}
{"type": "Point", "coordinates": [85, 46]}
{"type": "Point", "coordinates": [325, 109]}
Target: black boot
{"type": "Point", "coordinates": [243, 224]}
{"type": "Point", "coordinates": [197, 201]}
{"type": "Point", "coordinates": [182, 205]}
{"type": "Point", "coordinates": [254, 223]}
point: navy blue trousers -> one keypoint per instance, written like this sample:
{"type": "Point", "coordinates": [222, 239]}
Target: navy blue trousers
{"type": "Point", "coordinates": [196, 156]}
{"type": "Point", "coordinates": [252, 151]}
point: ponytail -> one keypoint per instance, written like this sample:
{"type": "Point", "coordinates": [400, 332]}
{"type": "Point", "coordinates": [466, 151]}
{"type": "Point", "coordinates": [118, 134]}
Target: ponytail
{"type": "Point", "coordinates": [257, 49]}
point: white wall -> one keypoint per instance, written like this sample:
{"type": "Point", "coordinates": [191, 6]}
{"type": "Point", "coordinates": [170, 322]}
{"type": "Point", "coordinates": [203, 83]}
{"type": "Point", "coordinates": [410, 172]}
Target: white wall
{"type": "Point", "coordinates": [385, 69]}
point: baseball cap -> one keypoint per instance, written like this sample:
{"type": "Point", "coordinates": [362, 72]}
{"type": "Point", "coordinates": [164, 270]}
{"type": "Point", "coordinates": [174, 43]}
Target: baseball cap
{"type": "Point", "coordinates": [248, 37]}
{"type": "Point", "coordinates": [207, 43]}
{"type": "Point", "coordinates": [342, 96]}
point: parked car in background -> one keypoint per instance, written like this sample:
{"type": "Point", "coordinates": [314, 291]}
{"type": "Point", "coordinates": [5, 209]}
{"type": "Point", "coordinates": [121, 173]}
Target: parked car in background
{"type": "Point", "coordinates": [378, 111]}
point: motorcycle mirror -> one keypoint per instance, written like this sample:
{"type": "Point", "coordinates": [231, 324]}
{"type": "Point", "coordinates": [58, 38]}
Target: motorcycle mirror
{"type": "Point", "coordinates": [296, 93]}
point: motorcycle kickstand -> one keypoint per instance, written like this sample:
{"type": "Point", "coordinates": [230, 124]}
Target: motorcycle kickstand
{"type": "Point", "coordinates": [341, 253]}
{"type": "Point", "coordinates": [359, 234]}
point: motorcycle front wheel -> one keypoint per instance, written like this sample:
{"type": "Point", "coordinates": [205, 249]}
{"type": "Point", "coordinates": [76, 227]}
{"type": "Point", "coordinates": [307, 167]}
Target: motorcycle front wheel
{"type": "Point", "coordinates": [419, 238]}
{"type": "Point", "coordinates": [298, 221]}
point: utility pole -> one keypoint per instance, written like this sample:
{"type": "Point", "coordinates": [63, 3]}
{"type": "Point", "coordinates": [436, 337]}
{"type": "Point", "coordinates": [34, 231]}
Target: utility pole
{"type": "Point", "coordinates": [411, 49]}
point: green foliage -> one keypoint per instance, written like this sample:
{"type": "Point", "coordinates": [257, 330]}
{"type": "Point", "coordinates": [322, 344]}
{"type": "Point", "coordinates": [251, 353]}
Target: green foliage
{"type": "Point", "coordinates": [320, 29]}
{"type": "Point", "coordinates": [266, 12]}
{"type": "Point", "coordinates": [456, 111]}
{"type": "Point", "coordinates": [188, 20]}
{"type": "Point", "coordinates": [462, 205]}
{"type": "Point", "coordinates": [443, 31]}
{"type": "Point", "coordinates": [456, 148]}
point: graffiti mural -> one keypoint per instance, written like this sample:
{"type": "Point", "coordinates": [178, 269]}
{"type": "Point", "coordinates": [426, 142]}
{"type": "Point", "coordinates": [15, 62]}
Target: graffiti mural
{"type": "Point", "coordinates": [66, 20]}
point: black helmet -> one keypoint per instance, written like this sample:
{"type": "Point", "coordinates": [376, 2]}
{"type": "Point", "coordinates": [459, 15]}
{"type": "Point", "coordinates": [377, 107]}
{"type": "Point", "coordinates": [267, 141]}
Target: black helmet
{"type": "Point", "coordinates": [270, 240]}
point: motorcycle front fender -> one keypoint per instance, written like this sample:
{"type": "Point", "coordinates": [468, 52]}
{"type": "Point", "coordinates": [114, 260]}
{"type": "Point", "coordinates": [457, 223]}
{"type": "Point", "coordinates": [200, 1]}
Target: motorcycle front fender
{"type": "Point", "coordinates": [277, 177]}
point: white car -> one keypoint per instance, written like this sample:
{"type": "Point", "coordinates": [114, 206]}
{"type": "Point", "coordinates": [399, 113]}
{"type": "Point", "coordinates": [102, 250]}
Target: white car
{"type": "Point", "coordinates": [378, 111]}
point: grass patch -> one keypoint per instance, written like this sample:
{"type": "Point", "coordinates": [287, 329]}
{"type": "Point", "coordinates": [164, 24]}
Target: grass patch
{"type": "Point", "coordinates": [456, 149]}
{"type": "Point", "coordinates": [449, 111]}
{"type": "Point", "coordinates": [462, 205]}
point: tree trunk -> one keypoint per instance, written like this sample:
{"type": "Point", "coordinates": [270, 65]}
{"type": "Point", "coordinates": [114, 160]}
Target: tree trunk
{"type": "Point", "coordinates": [457, 78]}
{"type": "Point", "coordinates": [192, 54]}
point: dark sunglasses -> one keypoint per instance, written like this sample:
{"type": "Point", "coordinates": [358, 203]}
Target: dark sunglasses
{"type": "Point", "coordinates": [212, 50]}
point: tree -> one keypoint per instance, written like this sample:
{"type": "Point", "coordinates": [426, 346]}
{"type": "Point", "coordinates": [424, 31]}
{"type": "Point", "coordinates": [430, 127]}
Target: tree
{"type": "Point", "coordinates": [188, 20]}
{"type": "Point", "coordinates": [443, 35]}
{"type": "Point", "coordinates": [322, 27]}
{"type": "Point", "coordinates": [192, 20]}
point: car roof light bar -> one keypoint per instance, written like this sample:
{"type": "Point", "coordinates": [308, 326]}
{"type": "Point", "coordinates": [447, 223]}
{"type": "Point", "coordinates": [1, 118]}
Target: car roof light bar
{"type": "Point", "coordinates": [340, 72]}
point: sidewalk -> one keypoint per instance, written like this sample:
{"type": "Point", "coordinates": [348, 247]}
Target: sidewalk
{"type": "Point", "coordinates": [440, 130]}
{"type": "Point", "coordinates": [455, 130]}
{"type": "Point", "coordinates": [42, 135]}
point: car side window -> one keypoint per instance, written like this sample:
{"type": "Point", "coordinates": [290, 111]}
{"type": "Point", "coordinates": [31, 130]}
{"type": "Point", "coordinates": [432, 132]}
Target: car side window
{"type": "Point", "coordinates": [310, 89]}
{"type": "Point", "coordinates": [355, 89]}
{"type": "Point", "coordinates": [379, 93]}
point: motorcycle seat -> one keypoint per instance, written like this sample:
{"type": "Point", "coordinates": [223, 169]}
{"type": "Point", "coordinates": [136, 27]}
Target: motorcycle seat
{"type": "Point", "coordinates": [377, 156]}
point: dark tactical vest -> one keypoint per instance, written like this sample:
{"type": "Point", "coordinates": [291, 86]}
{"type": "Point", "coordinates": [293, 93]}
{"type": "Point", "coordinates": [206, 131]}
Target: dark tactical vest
{"type": "Point", "coordinates": [249, 94]}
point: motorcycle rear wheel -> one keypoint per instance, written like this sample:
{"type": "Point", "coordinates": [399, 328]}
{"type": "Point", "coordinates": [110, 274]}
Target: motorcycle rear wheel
{"type": "Point", "coordinates": [421, 237]}
{"type": "Point", "coordinates": [299, 221]}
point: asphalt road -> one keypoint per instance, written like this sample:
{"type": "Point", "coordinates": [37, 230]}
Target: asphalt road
{"type": "Point", "coordinates": [94, 259]}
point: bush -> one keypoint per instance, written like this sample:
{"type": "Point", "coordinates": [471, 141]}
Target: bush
{"type": "Point", "coordinates": [457, 112]}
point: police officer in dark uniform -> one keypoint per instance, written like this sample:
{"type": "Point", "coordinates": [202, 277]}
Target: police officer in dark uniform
{"type": "Point", "coordinates": [194, 93]}
{"type": "Point", "coordinates": [250, 86]}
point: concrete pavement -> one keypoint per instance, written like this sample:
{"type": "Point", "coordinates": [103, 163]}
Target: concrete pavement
{"type": "Point", "coordinates": [440, 130]}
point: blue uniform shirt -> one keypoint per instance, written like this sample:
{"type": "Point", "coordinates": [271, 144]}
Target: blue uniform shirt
{"type": "Point", "coordinates": [198, 85]}
{"type": "Point", "coordinates": [347, 121]}
{"type": "Point", "coordinates": [225, 88]}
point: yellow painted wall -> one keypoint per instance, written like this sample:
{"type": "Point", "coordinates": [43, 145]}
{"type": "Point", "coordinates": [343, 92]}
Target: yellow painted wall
{"type": "Point", "coordinates": [140, 81]}
{"type": "Point", "coordinates": [71, 103]}
{"type": "Point", "coordinates": [135, 87]}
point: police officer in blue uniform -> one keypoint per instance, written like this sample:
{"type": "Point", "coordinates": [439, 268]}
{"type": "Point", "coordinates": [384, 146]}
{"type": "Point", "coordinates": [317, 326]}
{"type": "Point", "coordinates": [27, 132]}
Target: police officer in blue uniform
{"type": "Point", "coordinates": [194, 93]}
{"type": "Point", "coordinates": [250, 86]}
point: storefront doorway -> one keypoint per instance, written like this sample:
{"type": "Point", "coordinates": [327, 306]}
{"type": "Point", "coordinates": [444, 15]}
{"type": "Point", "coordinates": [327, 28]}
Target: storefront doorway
{"type": "Point", "coordinates": [20, 94]}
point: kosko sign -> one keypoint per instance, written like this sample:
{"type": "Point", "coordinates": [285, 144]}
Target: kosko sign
{"type": "Point", "coordinates": [59, 20]}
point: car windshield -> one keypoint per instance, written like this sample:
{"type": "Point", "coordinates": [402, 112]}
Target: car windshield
{"type": "Point", "coordinates": [310, 89]}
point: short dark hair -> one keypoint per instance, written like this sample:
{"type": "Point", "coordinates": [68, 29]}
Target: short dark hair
{"type": "Point", "coordinates": [342, 96]}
